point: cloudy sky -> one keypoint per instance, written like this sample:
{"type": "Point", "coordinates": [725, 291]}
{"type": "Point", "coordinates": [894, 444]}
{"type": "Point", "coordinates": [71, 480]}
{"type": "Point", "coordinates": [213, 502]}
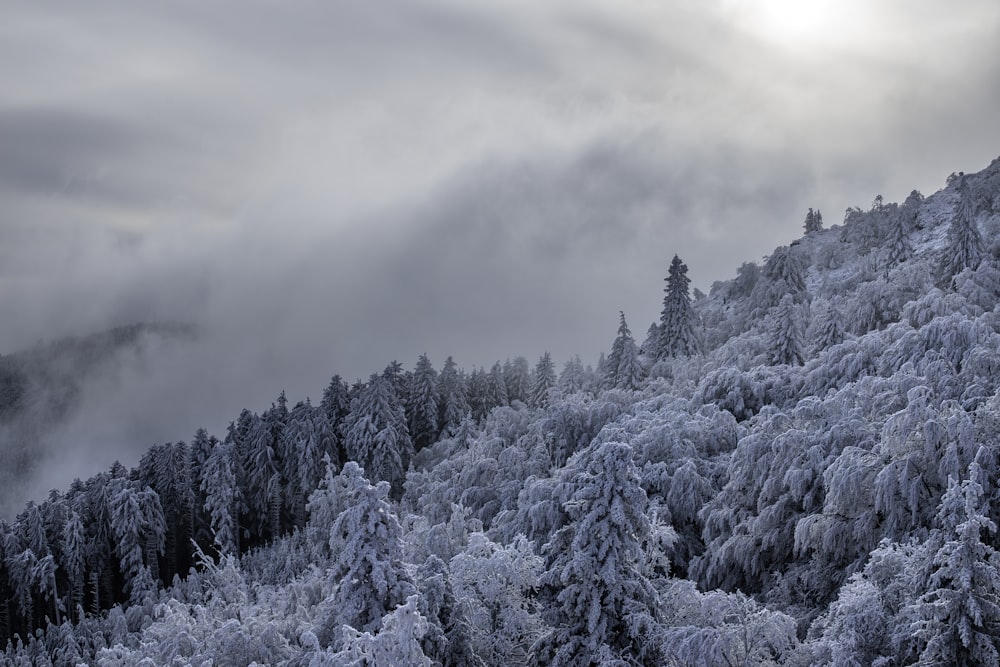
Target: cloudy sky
{"type": "Point", "coordinates": [327, 185]}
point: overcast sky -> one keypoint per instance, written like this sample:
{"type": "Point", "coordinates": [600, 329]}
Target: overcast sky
{"type": "Point", "coordinates": [326, 186]}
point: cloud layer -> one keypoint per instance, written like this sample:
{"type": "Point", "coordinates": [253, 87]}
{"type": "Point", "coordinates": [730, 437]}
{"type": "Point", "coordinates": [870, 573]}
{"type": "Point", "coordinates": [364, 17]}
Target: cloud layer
{"type": "Point", "coordinates": [325, 186]}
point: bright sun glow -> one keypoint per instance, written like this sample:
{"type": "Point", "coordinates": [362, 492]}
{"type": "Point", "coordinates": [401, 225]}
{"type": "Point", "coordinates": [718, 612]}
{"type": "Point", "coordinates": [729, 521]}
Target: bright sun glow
{"type": "Point", "coordinates": [796, 24]}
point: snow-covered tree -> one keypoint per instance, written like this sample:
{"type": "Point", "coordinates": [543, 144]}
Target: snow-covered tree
{"type": "Point", "coordinates": [495, 583]}
{"type": "Point", "coordinates": [262, 489]}
{"type": "Point", "coordinates": [827, 327]}
{"type": "Point", "coordinates": [901, 225]}
{"type": "Point", "coordinates": [336, 403]}
{"type": "Point", "coordinates": [448, 639]}
{"type": "Point", "coordinates": [375, 433]}
{"type": "Point", "coordinates": [367, 566]}
{"type": "Point", "coordinates": [960, 612]}
{"type": "Point", "coordinates": [221, 491]}
{"type": "Point", "coordinates": [814, 221]}
{"type": "Point", "coordinates": [571, 379]}
{"type": "Point", "coordinates": [496, 389]}
{"type": "Point", "coordinates": [785, 333]}
{"type": "Point", "coordinates": [965, 248]}
{"type": "Point", "coordinates": [199, 451]}
{"type": "Point", "coordinates": [423, 404]}
{"type": "Point", "coordinates": [602, 603]}
{"type": "Point", "coordinates": [622, 367]}
{"type": "Point", "coordinates": [517, 378]}
{"type": "Point", "coordinates": [677, 320]}
{"type": "Point", "coordinates": [304, 442]}
{"type": "Point", "coordinates": [129, 525]}
{"type": "Point", "coordinates": [545, 379]}
{"type": "Point", "coordinates": [452, 386]}
{"type": "Point", "coordinates": [73, 560]}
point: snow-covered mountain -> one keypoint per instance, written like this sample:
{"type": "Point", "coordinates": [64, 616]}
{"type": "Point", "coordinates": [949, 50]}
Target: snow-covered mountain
{"type": "Point", "coordinates": [801, 467]}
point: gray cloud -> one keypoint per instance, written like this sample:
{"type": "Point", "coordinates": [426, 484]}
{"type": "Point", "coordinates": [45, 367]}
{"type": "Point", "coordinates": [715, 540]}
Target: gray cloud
{"type": "Point", "coordinates": [326, 186]}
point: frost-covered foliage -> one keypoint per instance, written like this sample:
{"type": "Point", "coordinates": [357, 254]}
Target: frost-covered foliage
{"type": "Point", "coordinates": [600, 603]}
{"type": "Point", "coordinates": [819, 485]}
{"type": "Point", "coordinates": [677, 337]}
{"type": "Point", "coordinates": [622, 368]}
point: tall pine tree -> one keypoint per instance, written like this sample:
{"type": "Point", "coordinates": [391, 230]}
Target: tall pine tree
{"type": "Point", "coordinates": [677, 333]}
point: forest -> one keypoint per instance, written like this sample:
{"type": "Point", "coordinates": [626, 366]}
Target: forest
{"type": "Point", "coordinates": [801, 467]}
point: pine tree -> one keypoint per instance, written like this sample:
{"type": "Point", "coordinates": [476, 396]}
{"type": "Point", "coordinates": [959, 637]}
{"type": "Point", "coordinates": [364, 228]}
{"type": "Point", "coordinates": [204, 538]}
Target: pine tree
{"type": "Point", "coordinates": [262, 493]}
{"type": "Point", "coordinates": [965, 248]}
{"type": "Point", "coordinates": [678, 337]}
{"type": "Point", "coordinates": [129, 525]}
{"type": "Point", "coordinates": [622, 368]}
{"type": "Point", "coordinates": [785, 334]}
{"type": "Point", "coordinates": [304, 442]}
{"type": "Point", "coordinates": [900, 226]}
{"type": "Point", "coordinates": [375, 432]}
{"type": "Point", "coordinates": [424, 404]}
{"type": "Point", "coordinates": [571, 378]}
{"type": "Point", "coordinates": [517, 379]}
{"type": "Point", "coordinates": [545, 379]}
{"type": "Point", "coordinates": [199, 451]}
{"type": "Point", "coordinates": [601, 601]}
{"type": "Point", "coordinates": [73, 559]}
{"type": "Point", "coordinates": [814, 221]}
{"type": "Point", "coordinates": [220, 487]}
{"type": "Point", "coordinates": [336, 403]}
{"type": "Point", "coordinates": [496, 389]}
{"type": "Point", "coordinates": [828, 329]}
{"type": "Point", "coordinates": [366, 540]}
{"type": "Point", "coordinates": [478, 394]}
{"type": "Point", "coordinates": [452, 386]}
{"type": "Point", "coordinates": [961, 611]}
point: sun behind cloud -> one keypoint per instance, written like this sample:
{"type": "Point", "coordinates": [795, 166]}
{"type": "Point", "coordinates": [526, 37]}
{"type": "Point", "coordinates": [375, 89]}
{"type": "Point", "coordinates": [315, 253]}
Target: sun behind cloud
{"type": "Point", "coordinates": [801, 25]}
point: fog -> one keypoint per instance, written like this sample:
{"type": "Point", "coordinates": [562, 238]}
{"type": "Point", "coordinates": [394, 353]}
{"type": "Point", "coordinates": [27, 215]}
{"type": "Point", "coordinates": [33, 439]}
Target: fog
{"type": "Point", "coordinates": [324, 187]}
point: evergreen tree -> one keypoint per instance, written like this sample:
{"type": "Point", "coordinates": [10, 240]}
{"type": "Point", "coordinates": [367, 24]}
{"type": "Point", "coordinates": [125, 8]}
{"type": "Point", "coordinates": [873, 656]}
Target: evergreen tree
{"type": "Point", "coordinates": [900, 227]}
{"type": "Point", "coordinates": [571, 379]}
{"type": "Point", "coordinates": [622, 368]}
{"type": "Point", "coordinates": [517, 379]}
{"type": "Point", "coordinates": [304, 442]}
{"type": "Point", "coordinates": [448, 640]}
{"type": "Point", "coordinates": [961, 612]}
{"type": "Point", "coordinates": [129, 525]}
{"type": "Point", "coordinates": [603, 605]}
{"type": "Point", "coordinates": [375, 432]}
{"type": "Point", "coordinates": [678, 337]}
{"type": "Point", "coordinates": [262, 493]}
{"type": "Point", "coordinates": [828, 328]}
{"type": "Point", "coordinates": [366, 540]}
{"type": "Point", "coordinates": [199, 451]}
{"type": "Point", "coordinates": [336, 404]}
{"type": "Point", "coordinates": [545, 379]}
{"type": "Point", "coordinates": [424, 404]}
{"type": "Point", "coordinates": [785, 334]}
{"type": "Point", "coordinates": [336, 401]}
{"type": "Point", "coordinates": [965, 248]}
{"type": "Point", "coordinates": [814, 221]}
{"type": "Point", "coordinates": [220, 488]}
{"type": "Point", "coordinates": [73, 559]}
{"type": "Point", "coordinates": [496, 389]}
{"type": "Point", "coordinates": [453, 391]}
{"type": "Point", "coordinates": [479, 394]}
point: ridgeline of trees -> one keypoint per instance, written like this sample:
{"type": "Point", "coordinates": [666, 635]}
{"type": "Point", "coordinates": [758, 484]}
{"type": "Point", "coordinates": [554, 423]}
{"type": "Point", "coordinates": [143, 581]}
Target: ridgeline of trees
{"type": "Point", "coordinates": [802, 467]}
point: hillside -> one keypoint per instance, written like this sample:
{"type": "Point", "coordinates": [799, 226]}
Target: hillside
{"type": "Point", "coordinates": [800, 468]}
